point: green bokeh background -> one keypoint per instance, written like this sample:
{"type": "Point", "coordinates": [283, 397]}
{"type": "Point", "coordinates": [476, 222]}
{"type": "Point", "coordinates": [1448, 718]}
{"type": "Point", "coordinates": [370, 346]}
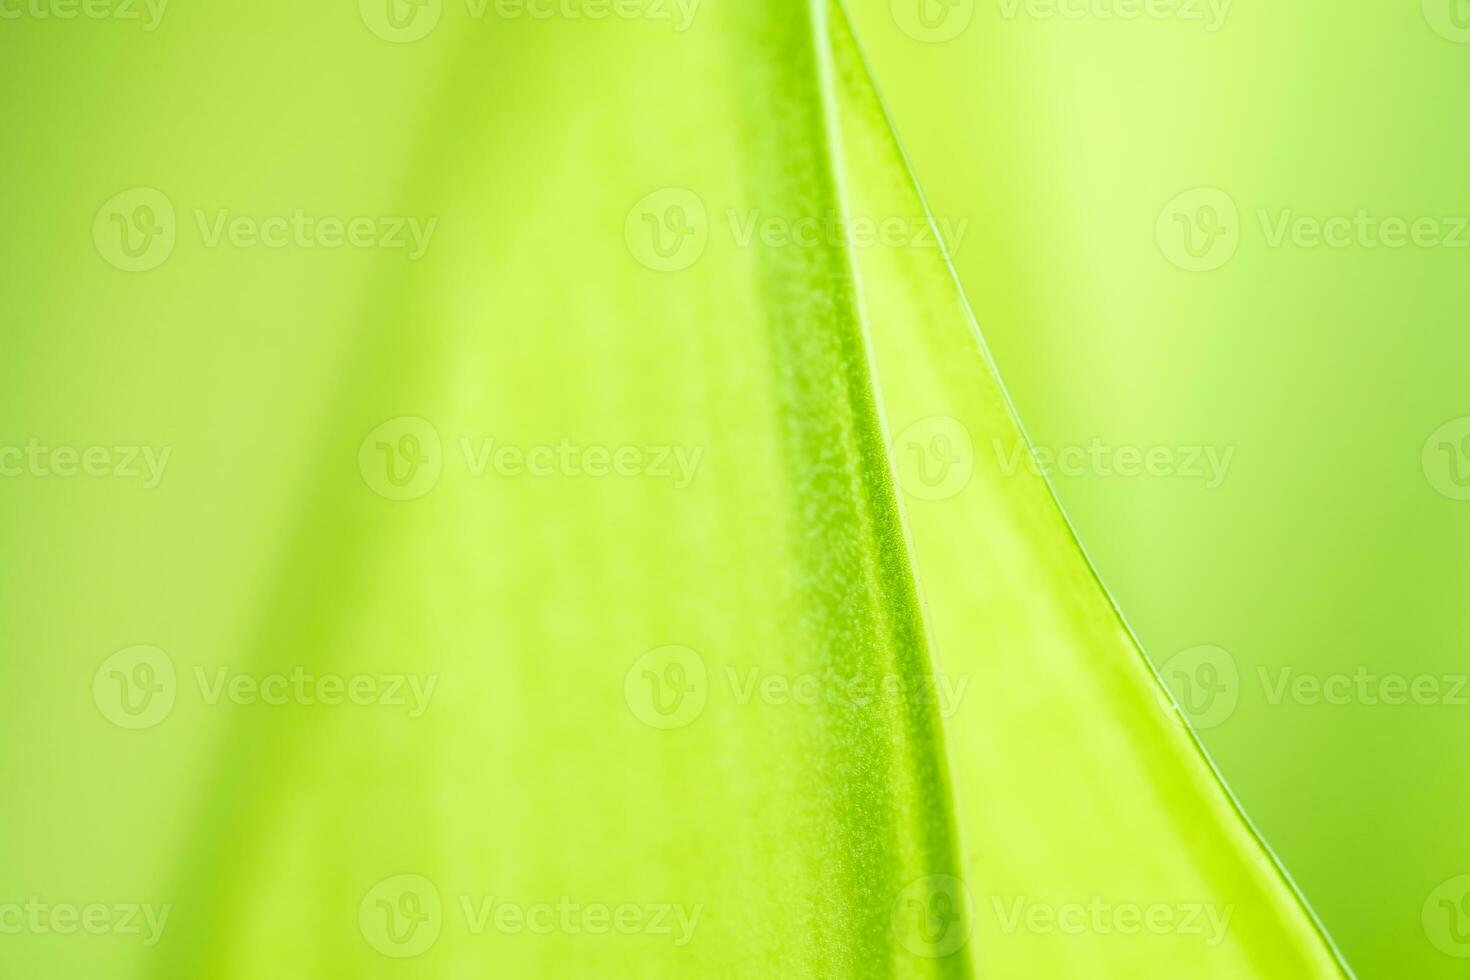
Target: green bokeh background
{"type": "Point", "coordinates": [1060, 141]}
{"type": "Point", "coordinates": [1327, 548]}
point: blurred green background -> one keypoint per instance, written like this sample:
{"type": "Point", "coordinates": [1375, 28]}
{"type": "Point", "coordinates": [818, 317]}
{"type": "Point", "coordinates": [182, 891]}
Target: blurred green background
{"type": "Point", "coordinates": [1131, 191]}
{"type": "Point", "coordinates": [1325, 362]}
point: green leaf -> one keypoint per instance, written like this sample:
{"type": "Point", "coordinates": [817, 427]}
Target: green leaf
{"type": "Point", "coordinates": [695, 633]}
